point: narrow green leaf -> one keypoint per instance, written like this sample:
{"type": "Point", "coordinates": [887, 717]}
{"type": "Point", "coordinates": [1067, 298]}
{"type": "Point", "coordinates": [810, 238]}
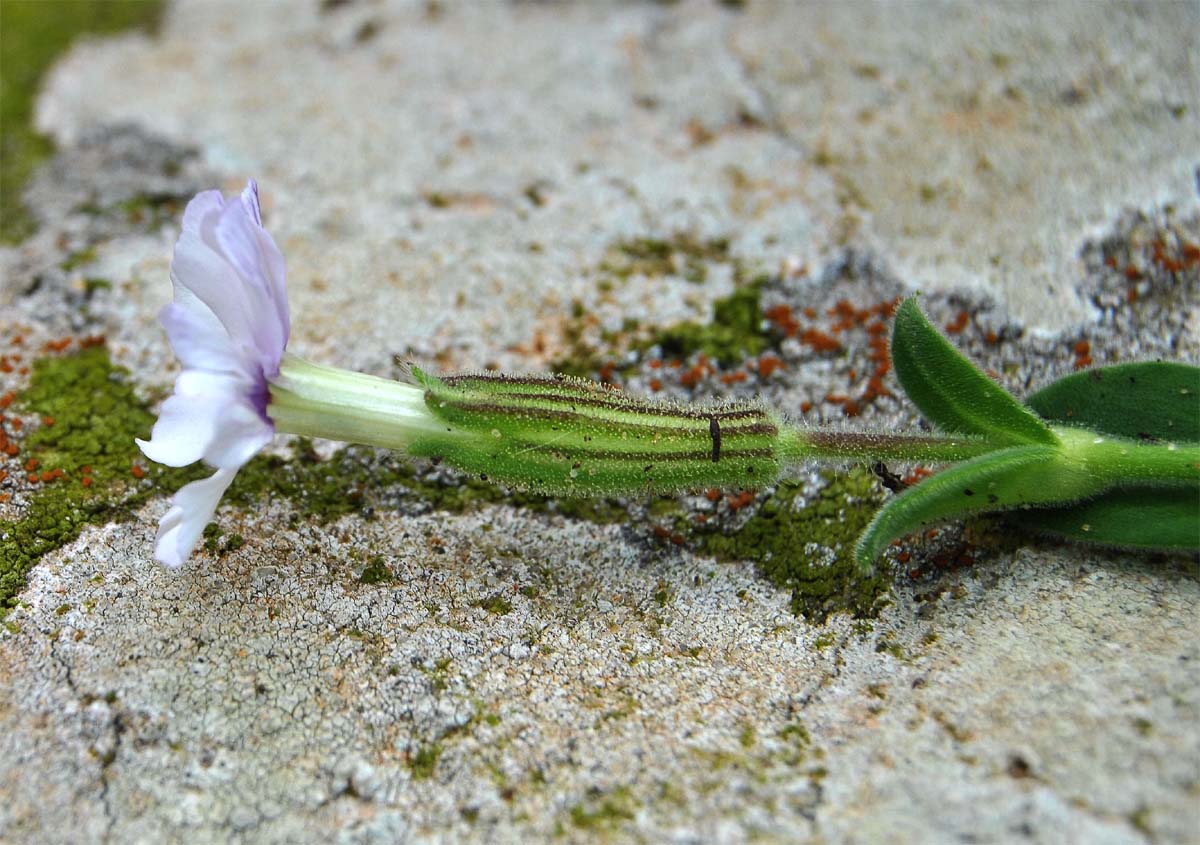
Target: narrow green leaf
{"type": "Point", "coordinates": [1019, 476]}
{"type": "Point", "coordinates": [1146, 518]}
{"type": "Point", "coordinates": [953, 393]}
{"type": "Point", "coordinates": [1148, 400]}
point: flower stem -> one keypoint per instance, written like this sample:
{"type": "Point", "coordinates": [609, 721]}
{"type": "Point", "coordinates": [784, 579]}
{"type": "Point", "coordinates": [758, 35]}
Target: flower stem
{"type": "Point", "coordinates": [565, 436]}
{"type": "Point", "coordinates": [316, 401]}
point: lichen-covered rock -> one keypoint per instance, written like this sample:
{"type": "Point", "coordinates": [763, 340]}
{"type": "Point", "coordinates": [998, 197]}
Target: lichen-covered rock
{"type": "Point", "coordinates": [691, 200]}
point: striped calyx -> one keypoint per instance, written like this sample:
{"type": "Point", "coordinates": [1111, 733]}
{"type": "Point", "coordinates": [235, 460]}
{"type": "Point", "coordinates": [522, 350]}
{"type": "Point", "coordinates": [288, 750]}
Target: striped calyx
{"type": "Point", "coordinates": [570, 437]}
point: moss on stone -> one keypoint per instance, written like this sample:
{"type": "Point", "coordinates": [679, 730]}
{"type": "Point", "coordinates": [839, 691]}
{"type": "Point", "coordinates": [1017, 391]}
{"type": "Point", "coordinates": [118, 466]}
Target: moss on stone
{"type": "Point", "coordinates": [495, 604]}
{"type": "Point", "coordinates": [36, 33]}
{"type": "Point", "coordinates": [376, 572]}
{"type": "Point", "coordinates": [90, 417]}
{"type": "Point", "coordinates": [604, 810]}
{"type": "Point", "coordinates": [734, 332]}
{"type": "Point", "coordinates": [683, 254]}
{"type": "Point", "coordinates": [424, 760]}
{"type": "Point", "coordinates": [807, 547]}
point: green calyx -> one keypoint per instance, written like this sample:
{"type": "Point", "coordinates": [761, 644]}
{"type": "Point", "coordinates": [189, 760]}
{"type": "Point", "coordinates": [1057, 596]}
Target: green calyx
{"type": "Point", "coordinates": [567, 436]}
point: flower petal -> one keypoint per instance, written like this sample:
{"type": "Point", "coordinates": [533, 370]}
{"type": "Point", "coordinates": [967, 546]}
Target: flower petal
{"type": "Point", "coordinates": [252, 253]}
{"type": "Point", "coordinates": [199, 340]}
{"type": "Point", "coordinates": [191, 509]}
{"type": "Point", "coordinates": [201, 271]}
{"type": "Point", "coordinates": [209, 416]}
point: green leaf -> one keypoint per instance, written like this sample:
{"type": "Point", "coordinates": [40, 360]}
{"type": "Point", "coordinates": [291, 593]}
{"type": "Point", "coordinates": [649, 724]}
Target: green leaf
{"type": "Point", "coordinates": [953, 393]}
{"type": "Point", "coordinates": [1149, 400]}
{"type": "Point", "coordinates": [1145, 518]}
{"type": "Point", "coordinates": [1019, 476]}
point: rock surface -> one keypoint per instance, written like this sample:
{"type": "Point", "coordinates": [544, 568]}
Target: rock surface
{"type": "Point", "coordinates": [449, 183]}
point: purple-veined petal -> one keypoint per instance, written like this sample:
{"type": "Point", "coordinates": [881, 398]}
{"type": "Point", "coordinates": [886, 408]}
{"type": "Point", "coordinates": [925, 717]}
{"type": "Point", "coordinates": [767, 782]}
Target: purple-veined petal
{"type": "Point", "coordinates": [210, 416]}
{"type": "Point", "coordinates": [200, 206]}
{"type": "Point", "coordinates": [240, 433]}
{"type": "Point", "coordinates": [199, 340]}
{"type": "Point", "coordinates": [191, 509]}
{"type": "Point", "coordinates": [239, 243]}
{"type": "Point", "coordinates": [197, 268]}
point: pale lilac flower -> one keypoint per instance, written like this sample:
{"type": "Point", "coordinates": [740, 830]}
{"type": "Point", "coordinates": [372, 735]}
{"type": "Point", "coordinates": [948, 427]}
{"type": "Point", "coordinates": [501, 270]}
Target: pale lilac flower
{"type": "Point", "coordinates": [228, 325]}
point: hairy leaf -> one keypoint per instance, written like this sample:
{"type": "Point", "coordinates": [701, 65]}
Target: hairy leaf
{"type": "Point", "coordinates": [1147, 518]}
{"type": "Point", "coordinates": [951, 392]}
{"type": "Point", "coordinates": [1019, 476]}
{"type": "Point", "coordinates": [1148, 400]}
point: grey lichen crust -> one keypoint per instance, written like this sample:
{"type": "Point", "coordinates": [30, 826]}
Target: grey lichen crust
{"type": "Point", "coordinates": [407, 670]}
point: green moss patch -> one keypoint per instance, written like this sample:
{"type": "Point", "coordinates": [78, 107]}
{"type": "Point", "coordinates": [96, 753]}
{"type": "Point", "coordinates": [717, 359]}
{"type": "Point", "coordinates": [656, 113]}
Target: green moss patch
{"type": "Point", "coordinates": [603, 811]}
{"type": "Point", "coordinates": [35, 34]}
{"type": "Point", "coordinates": [683, 254]}
{"type": "Point", "coordinates": [90, 417]}
{"type": "Point", "coordinates": [810, 549]}
{"type": "Point", "coordinates": [735, 332]}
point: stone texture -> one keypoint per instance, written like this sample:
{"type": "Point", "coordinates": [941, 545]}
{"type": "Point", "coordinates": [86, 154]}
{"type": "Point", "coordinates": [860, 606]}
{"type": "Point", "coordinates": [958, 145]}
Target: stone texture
{"type": "Point", "coordinates": [445, 181]}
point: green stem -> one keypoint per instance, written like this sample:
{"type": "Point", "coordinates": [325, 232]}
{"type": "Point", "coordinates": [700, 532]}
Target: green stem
{"type": "Point", "coordinates": [316, 401]}
{"type": "Point", "coordinates": [800, 444]}
{"type": "Point", "coordinates": [570, 437]}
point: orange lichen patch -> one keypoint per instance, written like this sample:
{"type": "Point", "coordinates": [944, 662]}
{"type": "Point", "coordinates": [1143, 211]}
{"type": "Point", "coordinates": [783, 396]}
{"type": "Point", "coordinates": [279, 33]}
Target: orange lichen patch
{"type": "Point", "coordinates": [92, 340]}
{"type": "Point", "coordinates": [713, 494]}
{"type": "Point", "coordinates": [1132, 273]}
{"type": "Point", "coordinates": [52, 475]}
{"type": "Point", "coordinates": [656, 384]}
{"type": "Point", "coordinates": [17, 423]}
{"type": "Point", "coordinates": [1083, 354]}
{"type": "Point", "coordinates": [18, 340]}
{"type": "Point", "coordinates": [654, 364]}
{"type": "Point", "coordinates": [3, 474]}
{"type": "Point", "coordinates": [696, 373]}
{"type": "Point", "coordinates": [31, 464]}
{"type": "Point", "coordinates": [5, 497]}
{"type": "Point", "coordinates": [916, 474]}
{"type": "Point", "coordinates": [805, 407]}
{"type": "Point", "coordinates": [733, 378]}
{"type": "Point", "coordinates": [768, 364]}
{"type": "Point", "coordinates": [5, 364]}
{"type": "Point", "coordinates": [959, 322]}
{"type": "Point", "coordinates": [740, 500]}
{"type": "Point", "coordinates": [47, 421]}
{"type": "Point", "coordinates": [782, 318]}
{"type": "Point", "coordinates": [57, 345]}
{"type": "Point", "coordinates": [607, 371]}
{"type": "Point", "coordinates": [7, 399]}
{"type": "Point", "coordinates": [137, 472]}
{"type": "Point", "coordinates": [820, 341]}
{"type": "Point", "coordinates": [991, 338]}
{"type": "Point", "coordinates": [86, 481]}
{"type": "Point", "coordinates": [85, 469]}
